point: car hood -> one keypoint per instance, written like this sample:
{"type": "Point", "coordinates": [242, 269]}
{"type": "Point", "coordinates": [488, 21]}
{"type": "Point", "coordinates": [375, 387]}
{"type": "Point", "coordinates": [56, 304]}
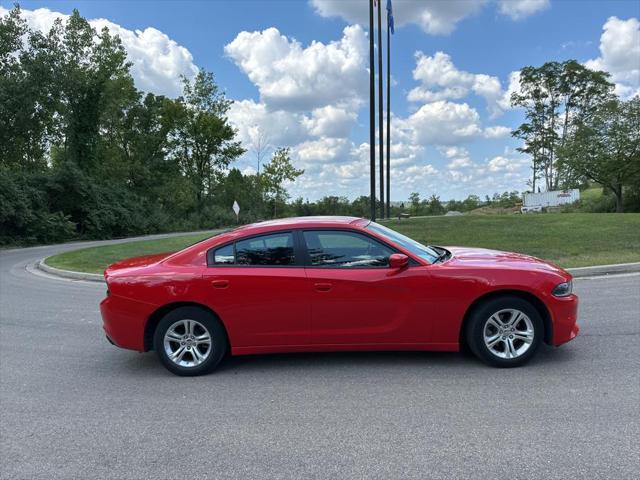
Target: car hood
{"type": "Point", "coordinates": [482, 257]}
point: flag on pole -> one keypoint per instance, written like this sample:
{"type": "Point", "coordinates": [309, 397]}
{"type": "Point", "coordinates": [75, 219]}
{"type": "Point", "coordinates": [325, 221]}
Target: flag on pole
{"type": "Point", "coordinates": [390, 16]}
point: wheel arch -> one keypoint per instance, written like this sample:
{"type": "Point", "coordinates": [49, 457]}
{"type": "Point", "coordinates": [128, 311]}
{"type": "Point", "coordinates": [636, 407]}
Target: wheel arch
{"type": "Point", "coordinates": [160, 312]}
{"type": "Point", "coordinates": [535, 301]}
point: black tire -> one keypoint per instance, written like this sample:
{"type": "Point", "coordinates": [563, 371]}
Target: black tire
{"type": "Point", "coordinates": [218, 341]}
{"type": "Point", "coordinates": [480, 317]}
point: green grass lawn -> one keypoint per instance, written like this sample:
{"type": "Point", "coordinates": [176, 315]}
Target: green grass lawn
{"type": "Point", "coordinates": [568, 239]}
{"type": "Point", "coordinates": [96, 259]}
{"type": "Point", "coordinates": [591, 193]}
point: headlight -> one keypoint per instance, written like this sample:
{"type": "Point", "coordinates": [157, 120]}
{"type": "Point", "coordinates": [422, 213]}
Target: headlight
{"type": "Point", "coordinates": [563, 290]}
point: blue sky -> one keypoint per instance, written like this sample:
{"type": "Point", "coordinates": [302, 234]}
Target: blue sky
{"type": "Point", "coordinates": [305, 85]}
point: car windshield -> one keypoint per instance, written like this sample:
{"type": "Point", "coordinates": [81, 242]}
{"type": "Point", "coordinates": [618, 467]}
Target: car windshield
{"type": "Point", "coordinates": [422, 251]}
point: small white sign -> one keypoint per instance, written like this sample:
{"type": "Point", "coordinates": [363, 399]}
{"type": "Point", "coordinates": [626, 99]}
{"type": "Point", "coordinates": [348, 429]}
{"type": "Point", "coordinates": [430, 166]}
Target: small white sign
{"type": "Point", "coordinates": [236, 208]}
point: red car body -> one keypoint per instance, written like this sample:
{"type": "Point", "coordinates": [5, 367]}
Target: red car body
{"type": "Point", "coordinates": [299, 308]}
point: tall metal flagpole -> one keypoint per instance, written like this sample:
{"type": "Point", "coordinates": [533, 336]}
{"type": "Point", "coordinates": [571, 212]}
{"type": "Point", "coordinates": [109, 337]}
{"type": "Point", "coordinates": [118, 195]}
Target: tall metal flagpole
{"type": "Point", "coordinates": [372, 116]}
{"type": "Point", "coordinates": [389, 20]}
{"type": "Point", "coordinates": [380, 110]}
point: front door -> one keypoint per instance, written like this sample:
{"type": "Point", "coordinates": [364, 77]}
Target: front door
{"type": "Point", "coordinates": [356, 297]}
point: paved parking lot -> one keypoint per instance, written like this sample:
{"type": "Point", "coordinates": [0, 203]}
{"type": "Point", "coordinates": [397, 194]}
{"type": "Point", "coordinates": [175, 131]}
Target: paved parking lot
{"type": "Point", "coordinates": [73, 406]}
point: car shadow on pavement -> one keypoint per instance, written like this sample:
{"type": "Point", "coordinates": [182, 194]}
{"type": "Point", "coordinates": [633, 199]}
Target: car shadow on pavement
{"type": "Point", "coordinates": [444, 361]}
{"type": "Point", "coordinates": [310, 363]}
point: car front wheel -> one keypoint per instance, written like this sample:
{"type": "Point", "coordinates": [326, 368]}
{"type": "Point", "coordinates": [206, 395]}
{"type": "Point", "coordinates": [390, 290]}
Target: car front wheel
{"type": "Point", "coordinates": [190, 341]}
{"type": "Point", "coordinates": [505, 331]}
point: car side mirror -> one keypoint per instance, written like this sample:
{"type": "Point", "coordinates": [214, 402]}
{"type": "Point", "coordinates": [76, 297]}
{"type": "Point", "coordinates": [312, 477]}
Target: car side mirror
{"type": "Point", "coordinates": [398, 260]}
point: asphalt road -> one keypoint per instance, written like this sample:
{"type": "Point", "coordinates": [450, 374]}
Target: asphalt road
{"type": "Point", "coordinates": [75, 407]}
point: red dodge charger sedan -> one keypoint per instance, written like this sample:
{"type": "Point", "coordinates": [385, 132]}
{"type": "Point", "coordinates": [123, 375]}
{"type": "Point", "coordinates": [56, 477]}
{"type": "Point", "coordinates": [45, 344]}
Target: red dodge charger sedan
{"type": "Point", "coordinates": [334, 284]}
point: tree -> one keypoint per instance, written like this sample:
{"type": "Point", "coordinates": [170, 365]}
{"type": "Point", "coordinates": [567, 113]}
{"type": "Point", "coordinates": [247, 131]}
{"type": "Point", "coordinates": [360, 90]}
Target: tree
{"type": "Point", "coordinates": [605, 148]}
{"type": "Point", "coordinates": [204, 142]}
{"type": "Point", "coordinates": [434, 205]}
{"type": "Point", "coordinates": [361, 206]}
{"type": "Point", "coordinates": [28, 95]}
{"type": "Point", "coordinates": [414, 198]}
{"type": "Point", "coordinates": [260, 145]}
{"type": "Point", "coordinates": [278, 171]}
{"type": "Point", "coordinates": [471, 203]}
{"type": "Point", "coordinates": [556, 97]}
{"type": "Point", "coordinates": [94, 82]}
{"type": "Point", "coordinates": [244, 189]}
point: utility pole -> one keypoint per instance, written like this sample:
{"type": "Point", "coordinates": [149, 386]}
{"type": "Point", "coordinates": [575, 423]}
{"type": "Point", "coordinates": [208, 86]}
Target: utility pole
{"type": "Point", "coordinates": [380, 110]}
{"type": "Point", "coordinates": [372, 116]}
{"type": "Point", "coordinates": [389, 28]}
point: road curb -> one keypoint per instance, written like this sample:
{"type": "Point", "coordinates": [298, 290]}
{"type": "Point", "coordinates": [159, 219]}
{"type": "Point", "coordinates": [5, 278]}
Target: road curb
{"type": "Point", "coordinates": [91, 277]}
{"type": "Point", "coordinates": [613, 269]}
{"type": "Point", "coordinates": [579, 272]}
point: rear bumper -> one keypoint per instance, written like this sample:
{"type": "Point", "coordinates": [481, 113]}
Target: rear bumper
{"type": "Point", "coordinates": [124, 320]}
{"type": "Point", "coordinates": [564, 313]}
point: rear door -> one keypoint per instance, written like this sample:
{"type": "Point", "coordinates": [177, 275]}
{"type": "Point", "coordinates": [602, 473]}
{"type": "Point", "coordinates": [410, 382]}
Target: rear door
{"type": "Point", "coordinates": [259, 287]}
{"type": "Point", "coordinates": [356, 297]}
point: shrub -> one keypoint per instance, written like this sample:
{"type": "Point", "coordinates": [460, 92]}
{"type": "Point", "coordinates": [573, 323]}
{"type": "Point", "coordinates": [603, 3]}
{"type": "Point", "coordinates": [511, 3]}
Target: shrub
{"type": "Point", "coordinates": [25, 217]}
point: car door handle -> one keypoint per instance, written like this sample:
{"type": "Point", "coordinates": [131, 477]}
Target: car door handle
{"type": "Point", "coordinates": [323, 287]}
{"type": "Point", "coordinates": [220, 283]}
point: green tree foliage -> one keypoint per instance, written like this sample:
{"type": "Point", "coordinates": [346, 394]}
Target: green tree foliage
{"type": "Point", "coordinates": [274, 175]}
{"type": "Point", "coordinates": [204, 142]}
{"type": "Point", "coordinates": [24, 212]}
{"type": "Point", "coordinates": [84, 153]}
{"type": "Point", "coordinates": [556, 97]}
{"type": "Point", "coordinates": [605, 147]}
{"type": "Point", "coordinates": [414, 200]}
{"type": "Point", "coordinates": [243, 189]}
{"type": "Point", "coordinates": [434, 206]}
{"type": "Point", "coordinates": [28, 93]}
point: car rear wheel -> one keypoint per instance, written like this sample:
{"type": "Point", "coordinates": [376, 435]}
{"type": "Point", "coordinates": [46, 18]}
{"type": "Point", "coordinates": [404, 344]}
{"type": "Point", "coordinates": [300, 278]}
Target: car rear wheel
{"type": "Point", "coordinates": [505, 331]}
{"type": "Point", "coordinates": [190, 341]}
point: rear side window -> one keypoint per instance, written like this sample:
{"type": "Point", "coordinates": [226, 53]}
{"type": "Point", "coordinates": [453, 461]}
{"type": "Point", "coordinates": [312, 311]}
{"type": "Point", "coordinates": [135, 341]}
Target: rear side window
{"type": "Point", "coordinates": [224, 255]}
{"type": "Point", "coordinates": [345, 249]}
{"type": "Point", "coordinates": [275, 249]}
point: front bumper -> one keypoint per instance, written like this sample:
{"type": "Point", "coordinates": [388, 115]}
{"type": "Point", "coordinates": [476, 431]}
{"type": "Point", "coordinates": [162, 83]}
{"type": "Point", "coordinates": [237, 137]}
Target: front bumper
{"type": "Point", "coordinates": [124, 321]}
{"type": "Point", "coordinates": [564, 313]}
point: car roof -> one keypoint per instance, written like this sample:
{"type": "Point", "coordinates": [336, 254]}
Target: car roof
{"type": "Point", "coordinates": [302, 222]}
{"type": "Point", "coordinates": [195, 254]}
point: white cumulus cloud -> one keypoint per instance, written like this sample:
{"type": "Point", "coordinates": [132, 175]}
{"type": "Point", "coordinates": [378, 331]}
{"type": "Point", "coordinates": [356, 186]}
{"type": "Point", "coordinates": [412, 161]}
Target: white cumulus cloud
{"type": "Point", "coordinates": [296, 78]}
{"type": "Point", "coordinates": [330, 121]}
{"type": "Point", "coordinates": [158, 61]}
{"type": "Point", "coordinates": [620, 54]}
{"type": "Point", "coordinates": [253, 120]}
{"type": "Point", "coordinates": [497, 131]}
{"type": "Point", "coordinates": [505, 164]}
{"type": "Point", "coordinates": [441, 80]}
{"type": "Point", "coordinates": [519, 9]}
{"type": "Point", "coordinates": [436, 17]}
{"type": "Point", "coordinates": [443, 123]}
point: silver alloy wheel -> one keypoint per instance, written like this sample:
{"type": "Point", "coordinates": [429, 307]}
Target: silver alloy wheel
{"type": "Point", "coordinates": [508, 333]}
{"type": "Point", "coordinates": [187, 343]}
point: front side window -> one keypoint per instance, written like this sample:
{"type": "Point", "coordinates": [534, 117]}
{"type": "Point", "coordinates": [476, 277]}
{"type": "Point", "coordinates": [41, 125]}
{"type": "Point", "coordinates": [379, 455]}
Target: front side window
{"type": "Point", "coordinates": [345, 249]}
{"type": "Point", "coordinates": [275, 249]}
